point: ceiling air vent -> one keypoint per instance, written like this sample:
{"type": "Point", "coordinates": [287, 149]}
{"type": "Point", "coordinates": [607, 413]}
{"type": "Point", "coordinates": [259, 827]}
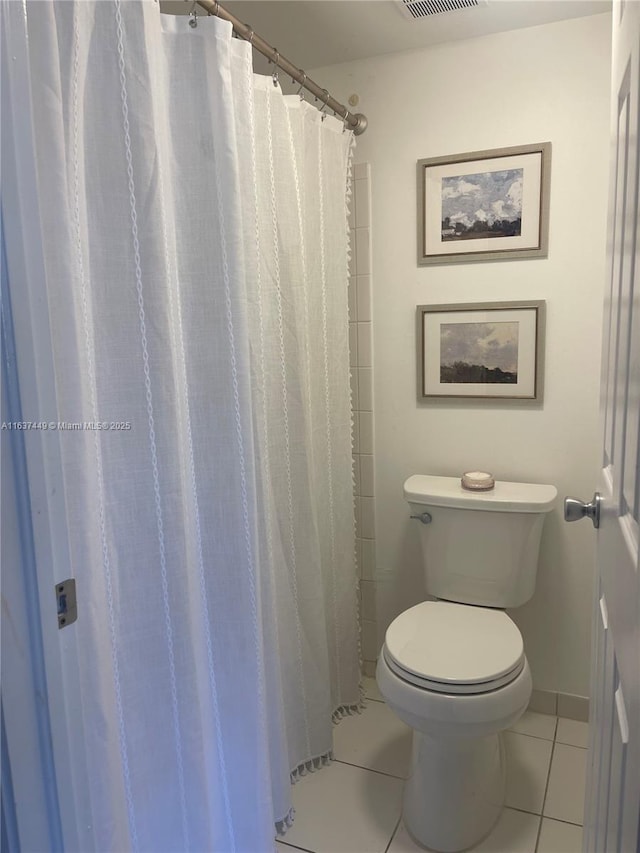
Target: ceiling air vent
{"type": "Point", "coordinates": [426, 8]}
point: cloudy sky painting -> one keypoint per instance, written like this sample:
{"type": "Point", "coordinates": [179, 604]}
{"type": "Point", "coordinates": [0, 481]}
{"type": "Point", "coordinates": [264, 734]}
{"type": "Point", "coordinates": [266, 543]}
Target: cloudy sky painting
{"type": "Point", "coordinates": [484, 199]}
{"type": "Point", "coordinates": [493, 347]}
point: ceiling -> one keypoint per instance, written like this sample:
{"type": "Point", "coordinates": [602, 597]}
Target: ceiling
{"type": "Point", "coordinates": [314, 33]}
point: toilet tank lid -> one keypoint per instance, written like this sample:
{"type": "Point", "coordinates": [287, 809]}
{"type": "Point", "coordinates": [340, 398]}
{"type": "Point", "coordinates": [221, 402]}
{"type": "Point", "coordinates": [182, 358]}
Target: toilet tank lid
{"type": "Point", "coordinates": [505, 497]}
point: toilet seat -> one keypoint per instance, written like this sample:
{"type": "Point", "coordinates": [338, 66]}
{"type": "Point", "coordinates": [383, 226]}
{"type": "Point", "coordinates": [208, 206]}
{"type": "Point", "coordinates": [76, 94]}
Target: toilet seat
{"type": "Point", "coordinates": [454, 648]}
{"type": "Point", "coordinates": [451, 687]}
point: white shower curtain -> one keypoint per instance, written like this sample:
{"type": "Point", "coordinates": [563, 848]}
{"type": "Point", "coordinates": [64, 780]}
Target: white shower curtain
{"type": "Point", "coordinates": [194, 234]}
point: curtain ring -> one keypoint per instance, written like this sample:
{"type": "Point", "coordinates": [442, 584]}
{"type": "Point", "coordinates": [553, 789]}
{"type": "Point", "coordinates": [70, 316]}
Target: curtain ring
{"type": "Point", "coordinates": [276, 68]}
{"type": "Point", "coordinates": [250, 36]}
{"type": "Point", "coordinates": [300, 90]}
{"type": "Point", "coordinates": [216, 11]}
{"type": "Point", "coordinates": [326, 98]}
{"type": "Point", "coordinates": [193, 16]}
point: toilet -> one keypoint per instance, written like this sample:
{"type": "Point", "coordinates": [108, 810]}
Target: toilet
{"type": "Point", "coordinates": [454, 668]}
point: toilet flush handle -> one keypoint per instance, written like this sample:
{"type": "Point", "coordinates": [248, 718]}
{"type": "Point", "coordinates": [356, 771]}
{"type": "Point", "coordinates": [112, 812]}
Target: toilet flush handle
{"type": "Point", "coordinates": [424, 517]}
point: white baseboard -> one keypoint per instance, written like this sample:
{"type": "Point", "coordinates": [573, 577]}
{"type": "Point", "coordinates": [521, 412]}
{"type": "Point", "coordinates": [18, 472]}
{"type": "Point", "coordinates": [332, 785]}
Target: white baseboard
{"type": "Point", "coordinates": [560, 704]}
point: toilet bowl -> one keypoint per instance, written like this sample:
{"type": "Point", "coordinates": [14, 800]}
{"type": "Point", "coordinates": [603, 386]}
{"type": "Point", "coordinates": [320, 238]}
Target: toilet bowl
{"type": "Point", "coordinates": [454, 669]}
{"type": "Point", "coordinates": [458, 676]}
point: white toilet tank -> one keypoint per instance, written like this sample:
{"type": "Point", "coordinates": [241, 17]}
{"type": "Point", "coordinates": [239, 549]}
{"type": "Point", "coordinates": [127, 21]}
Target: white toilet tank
{"type": "Point", "coordinates": [479, 547]}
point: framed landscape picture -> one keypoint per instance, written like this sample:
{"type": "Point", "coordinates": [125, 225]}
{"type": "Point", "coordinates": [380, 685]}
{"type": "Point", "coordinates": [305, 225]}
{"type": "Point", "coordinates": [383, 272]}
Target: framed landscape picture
{"type": "Point", "coordinates": [487, 350]}
{"type": "Point", "coordinates": [484, 205]}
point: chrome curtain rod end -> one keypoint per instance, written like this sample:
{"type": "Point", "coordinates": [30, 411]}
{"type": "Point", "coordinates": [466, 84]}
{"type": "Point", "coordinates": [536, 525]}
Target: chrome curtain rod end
{"type": "Point", "coordinates": [360, 124]}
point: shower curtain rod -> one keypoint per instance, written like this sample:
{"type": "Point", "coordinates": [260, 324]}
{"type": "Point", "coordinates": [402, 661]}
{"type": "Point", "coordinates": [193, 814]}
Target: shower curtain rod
{"type": "Point", "coordinates": [355, 121]}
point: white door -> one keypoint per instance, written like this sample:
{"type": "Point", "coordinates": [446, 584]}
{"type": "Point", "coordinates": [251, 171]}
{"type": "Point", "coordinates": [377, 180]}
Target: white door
{"type": "Point", "coordinates": [44, 806]}
{"type": "Point", "coordinates": [613, 784]}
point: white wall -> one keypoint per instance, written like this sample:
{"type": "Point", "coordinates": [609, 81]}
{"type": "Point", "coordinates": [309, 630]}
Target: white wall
{"type": "Point", "coordinates": [548, 83]}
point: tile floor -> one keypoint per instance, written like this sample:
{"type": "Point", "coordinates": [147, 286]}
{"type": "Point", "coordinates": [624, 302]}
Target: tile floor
{"type": "Point", "coordinates": [354, 805]}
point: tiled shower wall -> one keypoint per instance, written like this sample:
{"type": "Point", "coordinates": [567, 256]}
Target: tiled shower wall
{"type": "Point", "coordinates": [361, 355]}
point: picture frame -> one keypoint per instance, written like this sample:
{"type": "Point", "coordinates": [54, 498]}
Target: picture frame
{"type": "Point", "coordinates": [484, 205]}
{"type": "Point", "coordinates": [483, 350]}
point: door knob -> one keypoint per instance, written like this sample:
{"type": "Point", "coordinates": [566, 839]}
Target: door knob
{"type": "Point", "coordinates": [575, 509]}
